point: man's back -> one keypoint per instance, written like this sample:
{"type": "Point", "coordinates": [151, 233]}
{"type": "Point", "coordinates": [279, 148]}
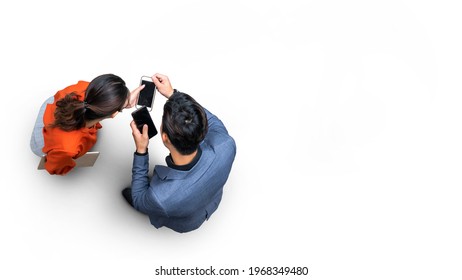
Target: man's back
{"type": "Point", "coordinates": [183, 199]}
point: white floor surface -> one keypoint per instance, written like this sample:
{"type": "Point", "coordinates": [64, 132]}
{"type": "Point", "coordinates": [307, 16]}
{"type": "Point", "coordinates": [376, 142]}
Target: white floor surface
{"type": "Point", "coordinates": [347, 117]}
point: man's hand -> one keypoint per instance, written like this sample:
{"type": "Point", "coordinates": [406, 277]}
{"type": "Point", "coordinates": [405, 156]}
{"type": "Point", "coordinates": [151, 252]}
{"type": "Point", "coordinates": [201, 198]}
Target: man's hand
{"type": "Point", "coordinates": [141, 139]}
{"type": "Point", "coordinates": [163, 84]}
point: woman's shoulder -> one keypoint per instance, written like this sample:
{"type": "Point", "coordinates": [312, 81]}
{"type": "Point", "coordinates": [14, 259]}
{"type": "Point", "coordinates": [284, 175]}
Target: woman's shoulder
{"type": "Point", "coordinates": [80, 87]}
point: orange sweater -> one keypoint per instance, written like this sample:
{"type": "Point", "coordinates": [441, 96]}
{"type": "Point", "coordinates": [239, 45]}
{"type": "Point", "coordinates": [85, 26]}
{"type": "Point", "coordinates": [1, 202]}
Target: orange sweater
{"type": "Point", "coordinates": [62, 147]}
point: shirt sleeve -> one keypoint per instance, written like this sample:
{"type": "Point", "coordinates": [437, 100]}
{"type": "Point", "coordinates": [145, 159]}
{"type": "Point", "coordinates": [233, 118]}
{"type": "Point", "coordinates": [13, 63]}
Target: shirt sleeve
{"type": "Point", "coordinates": [144, 199]}
{"type": "Point", "coordinates": [59, 162]}
{"type": "Point", "coordinates": [217, 133]}
{"type": "Point", "coordinates": [215, 124]}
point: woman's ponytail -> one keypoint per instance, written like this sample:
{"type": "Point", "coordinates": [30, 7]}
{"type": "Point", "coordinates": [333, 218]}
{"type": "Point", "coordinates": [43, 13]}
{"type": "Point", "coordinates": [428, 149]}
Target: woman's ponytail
{"type": "Point", "coordinates": [70, 113]}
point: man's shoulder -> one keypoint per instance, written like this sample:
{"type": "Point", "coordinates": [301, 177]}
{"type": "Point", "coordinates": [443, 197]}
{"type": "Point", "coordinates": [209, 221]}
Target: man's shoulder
{"type": "Point", "coordinates": [221, 143]}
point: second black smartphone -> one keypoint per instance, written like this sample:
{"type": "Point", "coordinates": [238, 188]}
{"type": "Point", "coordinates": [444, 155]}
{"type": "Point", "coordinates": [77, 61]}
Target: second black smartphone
{"type": "Point", "coordinates": [141, 117]}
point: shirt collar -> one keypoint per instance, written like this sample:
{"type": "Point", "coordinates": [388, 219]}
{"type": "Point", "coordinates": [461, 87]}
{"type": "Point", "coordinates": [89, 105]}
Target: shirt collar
{"type": "Point", "coordinates": [185, 167]}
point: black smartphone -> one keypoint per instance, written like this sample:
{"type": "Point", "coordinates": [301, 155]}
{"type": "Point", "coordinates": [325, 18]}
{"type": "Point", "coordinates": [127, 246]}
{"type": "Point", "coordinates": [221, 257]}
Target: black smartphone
{"type": "Point", "coordinates": [146, 97]}
{"type": "Point", "coordinates": [142, 116]}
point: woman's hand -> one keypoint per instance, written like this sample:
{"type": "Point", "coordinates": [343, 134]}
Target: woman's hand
{"type": "Point", "coordinates": [134, 96]}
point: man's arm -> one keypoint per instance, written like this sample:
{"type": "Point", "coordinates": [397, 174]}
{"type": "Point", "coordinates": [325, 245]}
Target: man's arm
{"type": "Point", "coordinates": [215, 124]}
{"type": "Point", "coordinates": [144, 199]}
{"type": "Point", "coordinates": [140, 183]}
{"type": "Point", "coordinates": [140, 169]}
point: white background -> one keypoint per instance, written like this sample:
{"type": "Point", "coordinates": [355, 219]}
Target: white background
{"type": "Point", "coordinates": [346, 116]}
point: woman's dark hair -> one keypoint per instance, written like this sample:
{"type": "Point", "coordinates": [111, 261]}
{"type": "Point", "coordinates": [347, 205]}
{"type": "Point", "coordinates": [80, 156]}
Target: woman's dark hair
{"type": "Point", "coordinates": [185, 122]}
{"type": "Point", "coordinates": [105, 95]}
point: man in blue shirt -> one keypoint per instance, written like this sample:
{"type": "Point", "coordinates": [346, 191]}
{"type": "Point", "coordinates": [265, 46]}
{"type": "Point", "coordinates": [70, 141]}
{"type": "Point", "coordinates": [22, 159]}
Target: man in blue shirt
{"type": "Point", "coordinates": [186, 192]}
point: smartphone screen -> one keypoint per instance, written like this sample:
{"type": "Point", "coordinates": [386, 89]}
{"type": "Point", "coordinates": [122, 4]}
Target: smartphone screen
{"type": "Point", "coordinates": [141, 117]}
{"type": "Point", "coordinates": [146, 96]}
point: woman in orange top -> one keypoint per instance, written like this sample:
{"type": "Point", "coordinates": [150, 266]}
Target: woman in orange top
{"type": "Point", "coordinates": [67, 125]}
